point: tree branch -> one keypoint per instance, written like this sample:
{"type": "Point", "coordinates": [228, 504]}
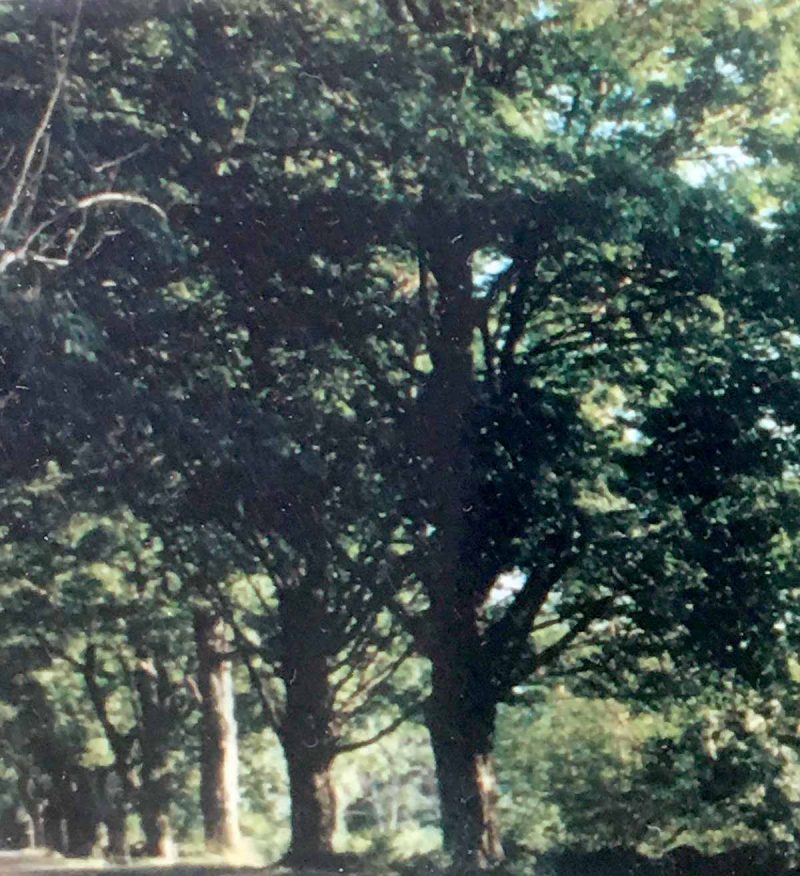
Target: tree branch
{"type": "Point", "coordinates": [404, 716]}
{"type": "Point", "coordinates": [23, 252]}
{"type": "Point", "coordinates": [516, 622]}
{"type": "Point", "coordinates": [44, 123]}
{"type": "Point", "coordinates": [557, 649]}
{"type": "Point", "coordinates": [120, 743]}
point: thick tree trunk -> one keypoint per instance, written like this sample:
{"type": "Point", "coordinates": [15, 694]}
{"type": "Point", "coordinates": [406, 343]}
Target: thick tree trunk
{"type": "Point", "coordinates": [461, 717]}
{"type": "Point", "coordinates": [462, 705]}
{"type": "Point", "coordinates": [219, 764]}
{"type": "Point", "coordinates": [55, 829]}
{"type": "Point", "coordinates": [313, 800]}
{"type": "Point", "coordinates": [117, 791]}
{"type": "Point", "coordinates": [82, 813]}
{"type": "Point", "coordinates": [307, 732]}
{"type": "Point", "coordinates": [82, 831]}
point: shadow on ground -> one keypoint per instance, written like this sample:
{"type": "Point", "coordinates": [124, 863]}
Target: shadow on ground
{"type": "Point", "coordinates": [684, 861]}
{"type": "Point", "coordinates": [26, 864]}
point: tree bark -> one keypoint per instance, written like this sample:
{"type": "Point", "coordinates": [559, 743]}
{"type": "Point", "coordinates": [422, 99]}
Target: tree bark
{"type": "Point", "coordinates": [118, 849]}
{"type": "Point", "coordinates": [313, 802]}
{"type": "Point", "coordinates": [462, 705]}
{"type": "Point", "coordinates": [307, 730]}
{"type": "Point", "coordinates": [219, 765]}
{"type": "Point", "coordinates": [155, 793]}
{"type": "Point", "coordinates": [154, 813]}
{"type": "Point", "coordinates": [461, 714]}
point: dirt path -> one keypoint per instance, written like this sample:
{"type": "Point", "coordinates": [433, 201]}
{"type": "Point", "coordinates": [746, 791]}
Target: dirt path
{"type": "Point", "coordinates": [13, 862]}
{"type": "Point", "coordinates": [32, 864]}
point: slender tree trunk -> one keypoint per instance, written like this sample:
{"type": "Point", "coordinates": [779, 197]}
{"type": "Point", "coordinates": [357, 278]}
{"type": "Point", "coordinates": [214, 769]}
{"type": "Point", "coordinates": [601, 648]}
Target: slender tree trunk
{"type": "Point", "coordinates": [116, 822]}
{"type": "Point", "coordinates": [219, 764]}
{"type": "Point", "coordinates": [307, 732]}
{"type": "Point", "coordinates": [155, 793]}
{"type": "Point", "coordinates": [154, 814]}
{"type": "Point", "coordinates": [34, 826]}
{"type": "Point", "coordinates": [34, 808]}
{"type": "Point", "coordinates": [30, 831]}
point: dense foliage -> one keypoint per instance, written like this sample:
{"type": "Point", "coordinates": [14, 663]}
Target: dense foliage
{"type": "Point", "coordinates": [371, 366]}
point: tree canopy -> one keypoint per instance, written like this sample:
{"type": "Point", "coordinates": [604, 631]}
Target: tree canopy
{"type": "Point", "coordinates": [394, 359]}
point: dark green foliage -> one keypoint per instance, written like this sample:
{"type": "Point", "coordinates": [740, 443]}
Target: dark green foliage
{"type": "Point", "coordinates": [328, 316]}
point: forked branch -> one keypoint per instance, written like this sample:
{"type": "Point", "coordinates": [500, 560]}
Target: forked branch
{"type": "Point", "coordinates": [44, 124]}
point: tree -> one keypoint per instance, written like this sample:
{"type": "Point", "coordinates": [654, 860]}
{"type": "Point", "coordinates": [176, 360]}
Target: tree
{"type": "Point", "coordinates": [452, 246]}
{"type": "Point", "coordinates": [108, 623]}
{"type": "Point", "coordinates": [219, 789]}
{"type": "Point", "coordinates": [590, 292]}
{"type": "Point", "coordinates": [142, 418]}
{"type": "Point", "coordinates": [46, 742]}
{"type": "Point", "coordinates": [464, 143]}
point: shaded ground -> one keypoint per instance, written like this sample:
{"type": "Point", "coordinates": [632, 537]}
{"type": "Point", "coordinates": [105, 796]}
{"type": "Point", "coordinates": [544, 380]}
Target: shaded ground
{"type": "Point", "coordinates": [27, 864]}
{"type": "Point", "coordinates": [35, 864]}
{"type": "Point", "coordinates": [682, 861]}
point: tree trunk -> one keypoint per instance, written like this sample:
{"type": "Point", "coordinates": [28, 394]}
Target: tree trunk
{"type": "Point", "coordinates": [82, 813]}
{"type": "Point", "coordinates": [307, 731]}
{"type": "Point", "coordinates": [313, 801]}
{"type": "Point", "coordinates": [82, 831]}
{"type": "Point", "coordinates": [55, 829]}
{"type": "Point", "coordinates": [462, 705]}
{"type": "Point", "coordinates": [461, 717]}
{"type": "Point", "coordinates": [116, 822]}
{"type": "Point", "coordinates": [117, 791]}
{"type": "Point", "coordinates": [34, 807]}
{"type": "Point", "coordinates": [34, 825]}
{"type": "Point", "coordinates": [155, 793]}
{"type": "Point", "coordinates": [219, 764]}
{"type": "Point", "coordinates": [154, 813]}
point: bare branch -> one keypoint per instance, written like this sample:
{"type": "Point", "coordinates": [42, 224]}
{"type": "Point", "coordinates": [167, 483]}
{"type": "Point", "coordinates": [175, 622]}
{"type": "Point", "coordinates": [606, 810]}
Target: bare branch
{"type": "Point", "coordinates": [369, 686]}
{"type": "Point", "coordinates": [114, 163]}
{"type": "Point", "coordinates": [246, 648]}
{"type": "Point", "coordinates": [7, 157]}
{"type": "Point", "coordinates": [268, 710]}
{"type": "Point", "coordinates": [23, 253]}
{"type": "Point", "coordinates": [514, 626]}
{"type": "Point", "coordinates": [35, 183]}
{"type": "Point", "coordinates": [44, 123]}
{"type": "Point", "coordinates": [98, 198]}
